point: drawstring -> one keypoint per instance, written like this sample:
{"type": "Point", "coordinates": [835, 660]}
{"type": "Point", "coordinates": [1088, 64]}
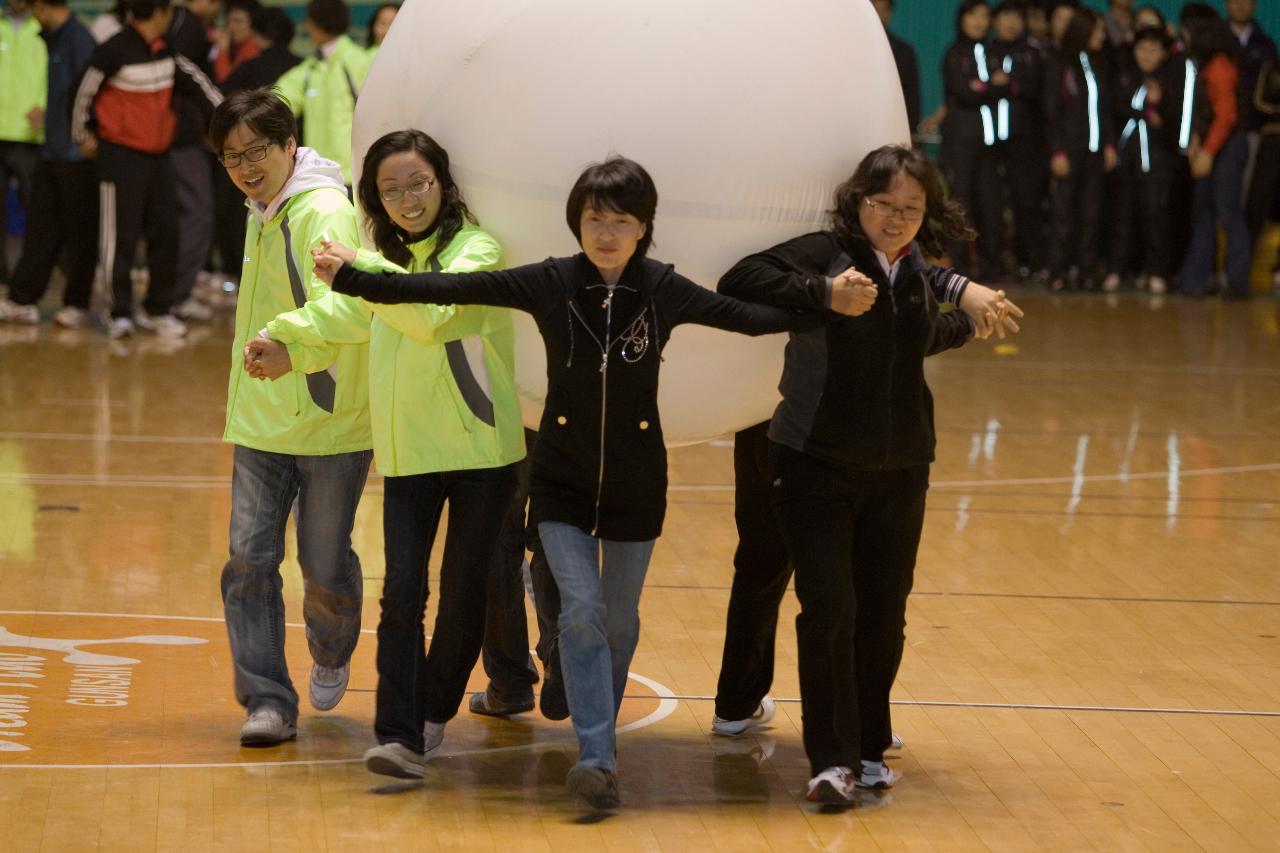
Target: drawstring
{"type": "Point", "coordinates": [568, 313]}
{"type": "Point", "coordinates": [657, 331]}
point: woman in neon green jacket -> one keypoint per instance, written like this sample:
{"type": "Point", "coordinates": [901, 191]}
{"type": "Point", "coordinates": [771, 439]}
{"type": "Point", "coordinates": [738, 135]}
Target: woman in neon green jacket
{"type": "Point", "coordinates": [446, 426]}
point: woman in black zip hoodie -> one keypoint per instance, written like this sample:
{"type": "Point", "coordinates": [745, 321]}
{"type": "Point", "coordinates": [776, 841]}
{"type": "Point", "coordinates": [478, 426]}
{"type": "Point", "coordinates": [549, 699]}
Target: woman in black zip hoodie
{"type": "Point", "coordinates": [599, 476]}
{"type": "Point", "coordinates": [1081, 135]}
{"type": "Point", "coordinates": [851, 444]}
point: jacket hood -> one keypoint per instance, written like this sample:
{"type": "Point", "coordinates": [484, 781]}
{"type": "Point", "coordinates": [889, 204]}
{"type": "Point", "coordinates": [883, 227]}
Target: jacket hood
{"type": "Point", "coordinates": [310, 172]}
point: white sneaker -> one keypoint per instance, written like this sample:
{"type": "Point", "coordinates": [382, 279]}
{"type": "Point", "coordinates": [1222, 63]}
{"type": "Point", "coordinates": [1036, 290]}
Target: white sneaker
{"type": "Point", "coordinates": [71, 317]}
{"type": "Point", "coordinates": [1111, 283]}
{"type": "Point", "coordinates": [164, 325]}
{"type": "Point", "coordinates": [194, 309]}
{"type": "Point", "coordinates": [895, 743]}
{"type": "Point", "coordinates": [328, 685]}
{"type": "Point", "coordinates": [12, 312]}
{"type": "Point", "coordinates": [732, 728]}
{"type": "Point", "coordinates": [394, 759]}
{"type": "Point", "coordinates": [1157, 285]}
{"type": "Point", "coordinates": [877, 775]}
{"type": "Point", "coordinates": [432, 737]}
{"type": "Point", "coordinates": [266, 727]}
{"type": "Point", "coordinates": [833, 786]}
{"type": "Point", "coordinates": [120, 327]}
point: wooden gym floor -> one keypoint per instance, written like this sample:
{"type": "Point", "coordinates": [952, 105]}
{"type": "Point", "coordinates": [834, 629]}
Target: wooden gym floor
{"type": "Point", "coordinates": [1093, 652]}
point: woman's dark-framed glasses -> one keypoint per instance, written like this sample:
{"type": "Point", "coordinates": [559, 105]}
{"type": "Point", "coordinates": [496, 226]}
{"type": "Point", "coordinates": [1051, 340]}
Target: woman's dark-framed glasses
{"type": "Point", "coordinates": [418, 188]}
{"type": "Point", "coordinates": [909, 214]}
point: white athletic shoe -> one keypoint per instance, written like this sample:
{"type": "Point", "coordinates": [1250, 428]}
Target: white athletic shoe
{"type": "Point", "coordinates": [1111, 283]}
{"type": "Point", "coordinates": [432, 737]}
{"type": "Point", "coordinates": [164, 325]}
{"type": "Point", "coordinates": [732, 728]}
{"type": "Point", "coordinates": [71, 317]}
{"type": "Point", "coordinates": [1157, 285]}
{"type": "Point", "coordinates": [877, 775]}
{"type": "Point", "coordinates": [833, 786]}
{"type": "Point", "coordinates": [120, 327]}
{"type": "Point", "coordinates": [266, 727]}
{"type": "Point", "coordinates": [25, 315]}
{"type": "Point", "coordinates": [195, 310]}
{"type": "Point", "coordinates": [394, 759]}
{"type": "Point", "coordinates": [896, 742]}
{"type": "Point", "coordinates": [328, 685]}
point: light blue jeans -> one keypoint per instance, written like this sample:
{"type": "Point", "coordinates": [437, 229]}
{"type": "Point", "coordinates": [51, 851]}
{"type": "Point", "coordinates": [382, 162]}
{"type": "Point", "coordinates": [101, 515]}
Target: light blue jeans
{"type": "Point", "coordinates": [600, 582]}
{"type": "Point", "coordinates": [263, 487]}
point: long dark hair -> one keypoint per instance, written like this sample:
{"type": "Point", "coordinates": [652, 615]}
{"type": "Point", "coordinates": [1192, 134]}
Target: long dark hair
{"type": "Point", "coordinates": [944, 218]}
{"type": "Point", "coordinates": [965, 7]}
{"type": "Point", "coordinates": [392, 240]}
{"type": "Point", "coordinates": [1208, 36]}
{"type": "Point", "coordinates": [1075, 39]}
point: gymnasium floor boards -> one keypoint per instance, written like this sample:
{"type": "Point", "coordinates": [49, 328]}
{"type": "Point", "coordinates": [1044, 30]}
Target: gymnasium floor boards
{"type": "Point", "coordinates": [1093, 654]}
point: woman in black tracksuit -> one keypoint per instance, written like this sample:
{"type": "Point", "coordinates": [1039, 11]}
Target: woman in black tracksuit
{"type": "Point", "coordinates": [851, 444]}
{"type": "Point", "coordinates": [599, 477]}
{"type": "Point", "coordinates": [1082, 150]}
{"type": "Point", "coordinates": [969, 134]}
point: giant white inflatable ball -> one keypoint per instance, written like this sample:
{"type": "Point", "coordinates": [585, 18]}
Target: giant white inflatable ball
{"type": "Point", "coordinates": [748, 114]}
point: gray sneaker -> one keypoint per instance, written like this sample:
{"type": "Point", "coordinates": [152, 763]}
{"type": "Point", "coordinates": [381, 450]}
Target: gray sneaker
{"type": "Point", "coordinates": [596, 787]}
{"type": "Point", "coordinates": [164, 325]}
{"type": "Point", "coordinates": [328, 685]}
{"type": "Point", "coordinates": [394, 759]}
{"type": "Point", "coordinates": [877, 776]}
{"type": "Point", "coordinates": [732, 728]}
{"type": "Point", "coordinates": [266, 727]}
{"type": "Point", "coordinates": [12, 312]}
{"type": "Point", "coordinates": [432, 737]}
{"type": "Point", "coordinates": [489, 705]}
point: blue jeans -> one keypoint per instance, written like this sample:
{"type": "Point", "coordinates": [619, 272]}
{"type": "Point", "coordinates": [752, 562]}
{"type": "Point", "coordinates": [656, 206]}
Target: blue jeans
{"type": "Point", "coordinates": [600, 582]}
{"type": "Point", "coordinates": [1218, 198]}
{"type": "Point", "coordinates": [263, 487]}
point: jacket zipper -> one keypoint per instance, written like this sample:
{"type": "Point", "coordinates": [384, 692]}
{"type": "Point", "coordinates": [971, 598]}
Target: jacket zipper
{"type": "Point", "coordinates": [893, 357]}
{"type": "Point", "coordinates": [604, 393]}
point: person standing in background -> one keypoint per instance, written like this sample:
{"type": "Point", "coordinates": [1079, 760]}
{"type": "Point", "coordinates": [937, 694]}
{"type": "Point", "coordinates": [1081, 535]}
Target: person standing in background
{"type": "Point", "coordinates": [64, 194]}
{"type": "Point", "coordinates": [24, 63]}
{"type": "Point", "coordinates": [235, 44]}
{"type": "Point", "coordinates": [904, 56]}
{"type": "Point", "coordinates": [323, 89]}
{"type": "Point", "coordinates": [379, 24]}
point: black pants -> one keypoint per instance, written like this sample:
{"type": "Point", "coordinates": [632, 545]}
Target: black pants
{"type": "Point", "coordinates": [1140, 217]}
{"type": "Point", "coordinates": [1020, 164]}
{"type": "Point", "coordinates": [1076, 206]}
{"type": "Point", "coordinates": [193, 178]}
{"type": "Point", "coordinates": [852, 536]}
{"type": "Point", "coordinates": [506, 632]}
{"type": "Point", "coordinates": [229, 222]}
{"type": "Point", "coordinates": [1264, 188]}
{"type": "Point", "coordinates": [970, 169]}
{"type": "Point", "coordinates": [137, 200]}
{"type": "Point", "coordinates": [761, 573]}
{"type": "Point", "coordinates": [414, 685]}
{"type": "Point", "coordinates": [64, 213]}
{"type": "Point", "coordinates": [17, 163]}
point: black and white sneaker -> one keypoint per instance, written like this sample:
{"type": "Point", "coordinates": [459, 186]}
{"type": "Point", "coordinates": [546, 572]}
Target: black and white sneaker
{"type": "Point", "coordinates": [833, 786]}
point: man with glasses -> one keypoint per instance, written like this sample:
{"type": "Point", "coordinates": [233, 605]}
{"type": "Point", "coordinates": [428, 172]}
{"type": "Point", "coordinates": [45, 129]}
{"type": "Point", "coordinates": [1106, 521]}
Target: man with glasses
{"type": "Point", "coordinates": [305, 436]}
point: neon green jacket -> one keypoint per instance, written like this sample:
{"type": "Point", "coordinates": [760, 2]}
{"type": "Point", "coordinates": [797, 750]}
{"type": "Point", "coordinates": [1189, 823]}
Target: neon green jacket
{"type": "Point", "coordinates": [323, 94]}
{"type": "Point", "coordinates": [24, 75]}
{"type": "Point", "coordinates": [442, 390]}
{"type": "Point", "coordinates": [323, 408]}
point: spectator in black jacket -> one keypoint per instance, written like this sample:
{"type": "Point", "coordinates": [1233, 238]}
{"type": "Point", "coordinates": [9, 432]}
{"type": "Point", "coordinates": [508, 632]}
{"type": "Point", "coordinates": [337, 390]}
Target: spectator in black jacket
{"type": "Point", "coordinates": [904, 56]}
{"type": "Point", "coordinates": [1082, 144]}
{"type": "Point", "coordinates": [972, 89]}
{"type": "Point", "coordinates": [272, 31]}
{"type": "Point", "coordinates": [850, 447]}
{"type": "Point", "coordinates": [1256, 50]}
{"type": "Point", "coordinates": [1146, 104]}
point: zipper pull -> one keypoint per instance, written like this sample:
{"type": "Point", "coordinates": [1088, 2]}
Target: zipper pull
{"type": "Point", "coordinates": [604, 364]}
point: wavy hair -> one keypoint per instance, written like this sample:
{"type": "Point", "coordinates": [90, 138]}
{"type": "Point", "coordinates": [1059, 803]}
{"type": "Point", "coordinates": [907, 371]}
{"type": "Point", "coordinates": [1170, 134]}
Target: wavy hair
{"type": "Point", "coordinates": [390, 239]}
{"type": "Point", "coordinates": [944, 218]}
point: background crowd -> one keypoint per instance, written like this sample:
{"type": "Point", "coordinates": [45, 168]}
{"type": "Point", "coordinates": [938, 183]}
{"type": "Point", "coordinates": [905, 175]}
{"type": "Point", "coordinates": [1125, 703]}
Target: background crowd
{"type": "Point", "coordinates": [1094, 150]}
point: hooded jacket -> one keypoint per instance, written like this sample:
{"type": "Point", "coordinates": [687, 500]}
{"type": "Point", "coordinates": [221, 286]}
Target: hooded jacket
{"type": "Point", "coordinates": [1077, 108]}
{"type": "Point", "coordinates": [324, 407]}
{"type": "Point", "coordinates": [599, 463]}
{"type": "Point", "coordinates": [323, 93]}
{"type": "Point", "coordinates": [853, 389]}
{"type": "Point", "coordinates": [442, 392]}
{"type": "Point", "coordinates": [24, 64]}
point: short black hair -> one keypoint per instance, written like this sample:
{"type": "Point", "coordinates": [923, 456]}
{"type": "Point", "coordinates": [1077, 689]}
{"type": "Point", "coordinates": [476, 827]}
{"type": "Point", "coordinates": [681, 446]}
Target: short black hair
{"type": "Point", "coordinates": [51, 2]}
{"type": "Point", "coordinates": [332, 16]}
{"type": "Point", "coordinates": [263, 110]}
{"type": "Point", "coordinates": [142, 10]}
{"type": "Point", "coordinates": [274, 25]}
{"type": "Point", "coordinates": [1017, 7]}
{"type": "Point", "coordinates": [1156, 34]}
{"type": "Point", "coordinates": [965, 7]}
{"type": "Point", "coordinates": [619, 185]}
{"type": "Point", "coordinates": [250, 6]}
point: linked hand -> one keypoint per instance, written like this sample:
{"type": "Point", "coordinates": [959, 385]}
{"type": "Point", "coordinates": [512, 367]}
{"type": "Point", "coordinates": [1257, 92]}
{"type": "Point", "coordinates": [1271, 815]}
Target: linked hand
{"type": "Point", "coordinates": [990, 310]}
{"type": "Point", "coordinates": [852, 293]}
{"type": "Point", "coordinates": [266, 359]}
{"type": "Point", "coordinates": [329, 258]}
